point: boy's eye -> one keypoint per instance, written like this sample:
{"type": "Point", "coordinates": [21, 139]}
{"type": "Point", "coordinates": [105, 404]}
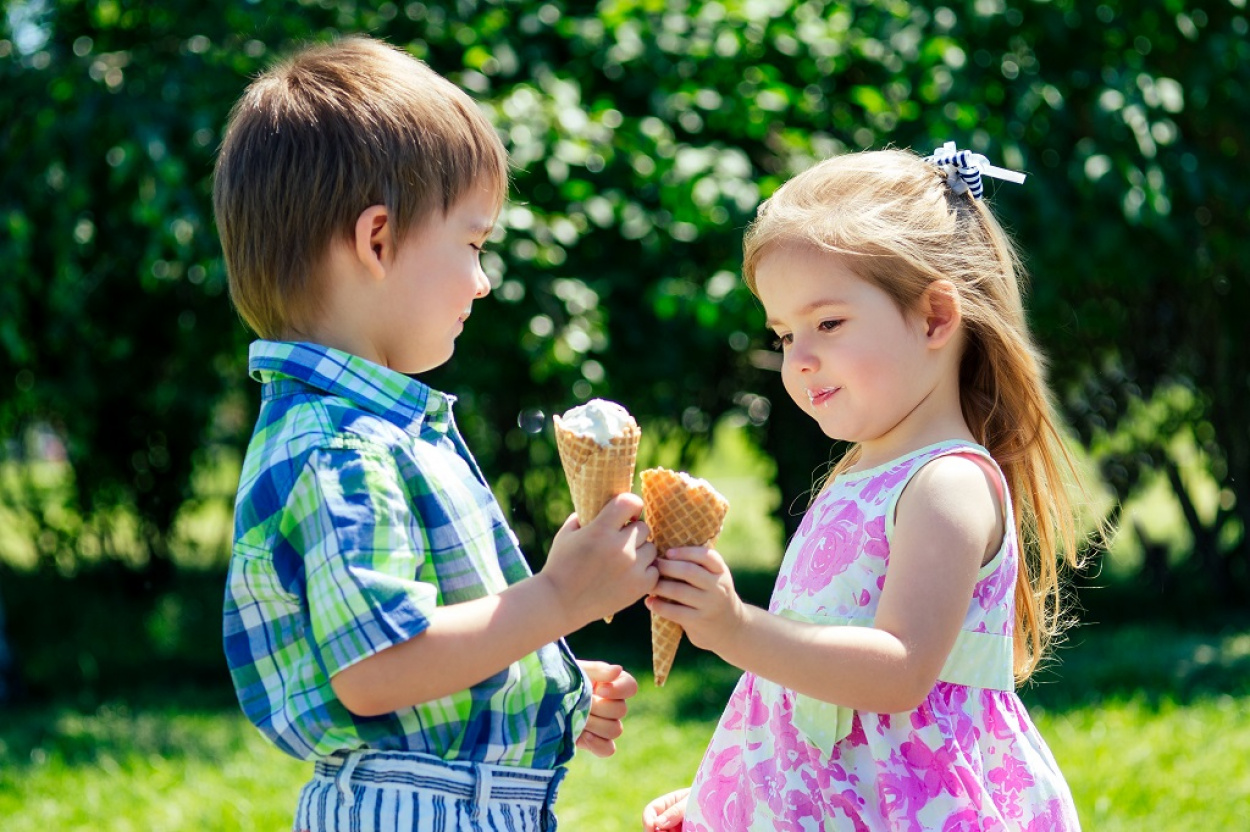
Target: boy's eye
{"type": "Point", "coordinates": [830, 325]}
{"type": "Point", "coordinates": [782, 341]}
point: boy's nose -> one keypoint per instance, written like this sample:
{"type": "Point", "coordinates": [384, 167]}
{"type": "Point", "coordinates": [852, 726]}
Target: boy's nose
{"type": "Point", "coordinates": [483, 284]}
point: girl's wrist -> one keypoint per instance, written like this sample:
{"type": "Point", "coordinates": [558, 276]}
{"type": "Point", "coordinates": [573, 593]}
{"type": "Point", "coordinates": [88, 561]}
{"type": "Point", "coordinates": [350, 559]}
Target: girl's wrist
{"type": "Point", "coordinates": [734, 638]}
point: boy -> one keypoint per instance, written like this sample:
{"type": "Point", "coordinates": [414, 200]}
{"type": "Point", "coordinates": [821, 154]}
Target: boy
{"type": "Point", "coordinates": [379, 616]}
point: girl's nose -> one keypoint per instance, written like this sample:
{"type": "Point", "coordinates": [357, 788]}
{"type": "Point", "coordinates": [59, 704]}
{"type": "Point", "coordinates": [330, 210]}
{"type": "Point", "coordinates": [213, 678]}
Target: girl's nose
{"type": "Point", "coordinates": [483, 284]}
{"type": "Point", "coordinates": [800, 358]}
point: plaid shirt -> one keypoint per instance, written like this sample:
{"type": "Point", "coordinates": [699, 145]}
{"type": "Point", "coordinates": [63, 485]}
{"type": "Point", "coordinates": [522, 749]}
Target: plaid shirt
{"type": "Point", "coordinates": [359, 511]}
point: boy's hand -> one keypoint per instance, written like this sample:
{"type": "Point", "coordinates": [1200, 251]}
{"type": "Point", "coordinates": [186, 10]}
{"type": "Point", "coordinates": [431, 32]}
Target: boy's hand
{"type": "Point", "coordinates": [612, 686]}
{"type": "Point", "coordinates": [601, 568]}
{"type": "Point", "coordinates": [696, 591]}
{"type": "Point", "coordinates": [665, 812]}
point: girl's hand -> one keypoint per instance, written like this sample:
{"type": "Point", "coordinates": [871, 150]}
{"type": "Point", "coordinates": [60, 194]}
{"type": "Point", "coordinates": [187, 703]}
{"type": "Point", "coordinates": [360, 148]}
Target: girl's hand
{"type": "Point", "coordinates": [696, 591]}
{"type": "Point", "coordinates": [612, 686]}
{"type": "Point", "coordinates": [666, 812]}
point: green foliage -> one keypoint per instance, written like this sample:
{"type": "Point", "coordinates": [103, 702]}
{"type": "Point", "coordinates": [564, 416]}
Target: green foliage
{"type": "Point", "coordinates": [643, 136]}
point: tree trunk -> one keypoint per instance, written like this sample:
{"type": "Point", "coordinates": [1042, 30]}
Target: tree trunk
{"type": "Point", "coordinates": [1211, 562]}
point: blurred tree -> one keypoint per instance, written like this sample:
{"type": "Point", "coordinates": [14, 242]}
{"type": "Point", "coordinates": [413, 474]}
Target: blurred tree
{"type": "Point", "coordinates": [643, 134]}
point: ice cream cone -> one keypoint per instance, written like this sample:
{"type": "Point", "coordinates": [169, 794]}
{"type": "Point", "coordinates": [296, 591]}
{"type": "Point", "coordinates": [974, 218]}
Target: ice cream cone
{"type": "Point", "coordinates": [596, 473]}
{"type": "Point", "coordinates": [680, 511]}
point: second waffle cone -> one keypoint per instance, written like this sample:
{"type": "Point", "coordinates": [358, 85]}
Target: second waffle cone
{"type": "Point", "coordinates": [680, 511]}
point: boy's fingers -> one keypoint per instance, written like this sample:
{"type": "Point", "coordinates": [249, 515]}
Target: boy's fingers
{"type": "Point", "coordinates": [640, 533]}
{"type": "Point", "coordinates": [596, 744]}
{"type": "Point", "coordinates": [621, 510]}
{"type": "Point", "coordinates": [608, 729]}
{"type": "Point", "coordinates": [624, 686]}
{"type": "Point", "coordinates": [600, 672]}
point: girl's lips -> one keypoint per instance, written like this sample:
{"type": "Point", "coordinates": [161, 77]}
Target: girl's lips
{"type": "Point", "coordinates": [819, 397]}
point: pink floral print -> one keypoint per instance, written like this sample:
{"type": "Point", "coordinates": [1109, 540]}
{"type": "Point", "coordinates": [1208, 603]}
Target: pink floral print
{"type": "Point", "coordinates": [966, 759]}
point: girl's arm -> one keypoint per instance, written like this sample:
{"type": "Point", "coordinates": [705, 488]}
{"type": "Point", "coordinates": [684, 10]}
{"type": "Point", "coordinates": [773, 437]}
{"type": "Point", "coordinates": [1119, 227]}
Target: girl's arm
{"type": "Point", "coordinates": [948, 523]}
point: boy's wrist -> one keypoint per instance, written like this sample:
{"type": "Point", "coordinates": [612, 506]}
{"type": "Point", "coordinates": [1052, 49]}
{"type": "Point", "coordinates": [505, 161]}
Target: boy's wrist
{"type": "Point", "coordinates": [551, 600]}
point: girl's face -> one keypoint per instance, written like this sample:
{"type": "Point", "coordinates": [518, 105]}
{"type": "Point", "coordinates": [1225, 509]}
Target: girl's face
{"type": "Point", "coordinates": [852, 360]}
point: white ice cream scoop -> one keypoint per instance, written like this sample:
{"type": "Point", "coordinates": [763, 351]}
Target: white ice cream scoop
{"type": "Point", "coordinates": [599, 419]}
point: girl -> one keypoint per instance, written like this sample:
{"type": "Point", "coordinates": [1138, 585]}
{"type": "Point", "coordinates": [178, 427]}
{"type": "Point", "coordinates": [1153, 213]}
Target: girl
{"type": "Point", "coordinates": [921, 587]}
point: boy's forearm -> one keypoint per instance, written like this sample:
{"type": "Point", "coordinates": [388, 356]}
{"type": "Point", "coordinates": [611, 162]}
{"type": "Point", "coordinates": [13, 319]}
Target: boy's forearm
{"type": "Point", "coordinates": [464, 644]}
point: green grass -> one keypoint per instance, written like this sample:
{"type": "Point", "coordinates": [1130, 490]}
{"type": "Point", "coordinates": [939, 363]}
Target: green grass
{"type": "Point", "coordinates": [1150, 724]}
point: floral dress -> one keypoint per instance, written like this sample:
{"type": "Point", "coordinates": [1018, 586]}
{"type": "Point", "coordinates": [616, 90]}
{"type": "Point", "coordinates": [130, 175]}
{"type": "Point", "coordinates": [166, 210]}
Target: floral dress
{"type": "Point", "coordinates": [968, 758]}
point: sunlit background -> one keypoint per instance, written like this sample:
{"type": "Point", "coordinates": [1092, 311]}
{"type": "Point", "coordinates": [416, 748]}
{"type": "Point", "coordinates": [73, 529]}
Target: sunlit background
{"type": "Point", "coordinates": [643, 135]}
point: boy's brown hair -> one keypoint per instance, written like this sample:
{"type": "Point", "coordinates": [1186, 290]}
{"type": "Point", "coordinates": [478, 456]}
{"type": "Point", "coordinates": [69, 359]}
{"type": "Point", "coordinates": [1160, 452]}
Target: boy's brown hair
{"type": "Point", "coordinates": [316, 140]}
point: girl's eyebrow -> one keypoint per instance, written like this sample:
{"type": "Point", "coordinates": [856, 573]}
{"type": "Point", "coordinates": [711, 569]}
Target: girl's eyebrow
{"type": "Point", "coordinates": [772, 323]}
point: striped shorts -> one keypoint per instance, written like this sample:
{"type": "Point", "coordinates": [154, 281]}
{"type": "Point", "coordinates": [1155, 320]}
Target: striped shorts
{"type": "Point", "coordinates": [391, 791]}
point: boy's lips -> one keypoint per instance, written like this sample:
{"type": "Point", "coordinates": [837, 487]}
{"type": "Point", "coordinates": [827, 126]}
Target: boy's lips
{"type": "Point", "coordinates": [820, 395]}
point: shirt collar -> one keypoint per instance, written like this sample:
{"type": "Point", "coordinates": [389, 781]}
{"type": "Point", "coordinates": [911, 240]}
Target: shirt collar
{"type": "Point", "coordinates": [283, 365]}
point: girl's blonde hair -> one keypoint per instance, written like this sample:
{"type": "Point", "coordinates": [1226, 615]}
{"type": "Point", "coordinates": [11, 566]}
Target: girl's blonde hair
{"type": "Point", "coordinates": [899, 225]}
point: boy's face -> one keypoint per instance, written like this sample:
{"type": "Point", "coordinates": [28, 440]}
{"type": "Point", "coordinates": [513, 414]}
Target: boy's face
{"type": "Point", "coordinates": [432, 283]}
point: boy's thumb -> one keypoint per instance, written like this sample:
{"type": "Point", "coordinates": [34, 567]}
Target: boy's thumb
{"type": "Point", "coordinates": [621, 510]}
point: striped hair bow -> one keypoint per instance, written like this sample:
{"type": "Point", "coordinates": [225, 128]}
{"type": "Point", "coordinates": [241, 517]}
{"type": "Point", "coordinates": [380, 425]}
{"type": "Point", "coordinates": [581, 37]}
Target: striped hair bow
{"type": "Point", "coordinates": [964, 169]}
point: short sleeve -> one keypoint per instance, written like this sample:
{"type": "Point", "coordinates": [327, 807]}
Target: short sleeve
{"type": "Point", "coordinates": [363, 550]}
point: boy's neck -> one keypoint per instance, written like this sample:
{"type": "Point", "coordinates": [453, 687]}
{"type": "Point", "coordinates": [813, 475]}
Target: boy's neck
{"type": "Point", "coordinates": [343, 315]}
{"type": "Point", "coordinates": [348, 342]}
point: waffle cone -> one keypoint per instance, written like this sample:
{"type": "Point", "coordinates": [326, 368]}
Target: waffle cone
{"type": "Point", "coordinates": [596, 473]}
{"type": "Point", "coordinates": [680, 511]}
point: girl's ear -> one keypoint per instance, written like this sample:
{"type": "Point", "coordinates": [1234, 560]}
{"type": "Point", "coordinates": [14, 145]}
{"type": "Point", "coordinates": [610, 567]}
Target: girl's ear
{"type": "Point", "coordinates": [374, 240]}
{"type": "Point", "coordinates": [942, 312]}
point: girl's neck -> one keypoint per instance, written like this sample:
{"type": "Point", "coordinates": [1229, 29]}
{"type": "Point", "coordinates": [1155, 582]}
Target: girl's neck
{"type": "Point", "coordinates": [938, 418]}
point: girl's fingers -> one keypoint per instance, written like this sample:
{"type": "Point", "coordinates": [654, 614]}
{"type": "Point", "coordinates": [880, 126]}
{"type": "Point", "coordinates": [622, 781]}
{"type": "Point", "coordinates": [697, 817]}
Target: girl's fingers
{"type": "Point", "coordinates": [666, 812]}
{"type": "Point", "coordinates": [685, 571]}
{"type": "Point", "coordinates": [667, 609]}
{"type": "Point", "coordinates": [703, 556]}
{"type": "Point", "coordinates": [680, 592]}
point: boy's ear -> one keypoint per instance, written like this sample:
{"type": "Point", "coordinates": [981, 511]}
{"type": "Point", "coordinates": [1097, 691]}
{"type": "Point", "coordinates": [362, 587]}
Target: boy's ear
{"type": "Point", "coordinates": [942, 311]}
{"type": "Point", "coordinates": [374, 240]}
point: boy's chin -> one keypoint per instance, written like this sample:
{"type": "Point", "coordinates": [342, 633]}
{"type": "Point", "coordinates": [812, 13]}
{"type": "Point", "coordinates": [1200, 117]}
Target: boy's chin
{"type": "Point", "coordinates": [424, 364]}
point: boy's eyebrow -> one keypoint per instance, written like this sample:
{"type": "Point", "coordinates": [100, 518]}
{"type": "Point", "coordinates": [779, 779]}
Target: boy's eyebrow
{"type": "Point", "coordinates": [807, 309]}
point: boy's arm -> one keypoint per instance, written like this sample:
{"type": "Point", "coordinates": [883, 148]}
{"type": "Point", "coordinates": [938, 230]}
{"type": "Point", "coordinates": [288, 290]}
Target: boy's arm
{"type": "Point", "coordinates": [590, 572]}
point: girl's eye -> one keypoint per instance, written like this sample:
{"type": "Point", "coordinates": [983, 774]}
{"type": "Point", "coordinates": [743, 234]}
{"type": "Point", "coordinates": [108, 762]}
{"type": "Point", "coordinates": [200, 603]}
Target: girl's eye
{"type": "Point", "coordinates": [830, 326]}
{"type": "Point", "coordinates": [782, 341]}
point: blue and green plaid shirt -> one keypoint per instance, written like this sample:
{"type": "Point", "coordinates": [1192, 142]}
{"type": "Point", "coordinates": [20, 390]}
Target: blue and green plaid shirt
{"type": "Point", "coordinates": [359, 511]}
